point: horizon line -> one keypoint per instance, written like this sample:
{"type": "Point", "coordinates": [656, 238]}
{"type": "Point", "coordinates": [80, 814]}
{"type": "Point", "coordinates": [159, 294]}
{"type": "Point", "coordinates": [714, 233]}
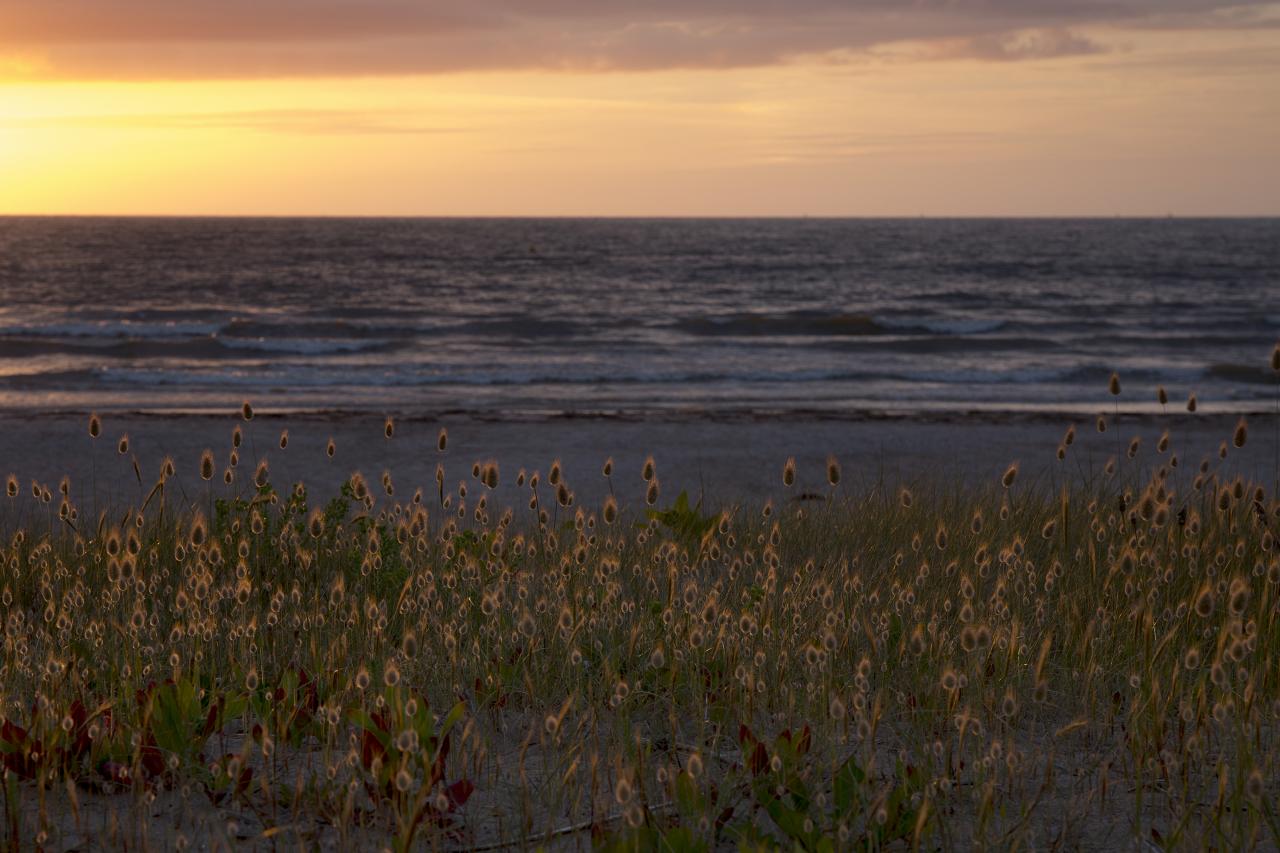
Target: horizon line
{"type": "Point", "coordinates": [651, 217]}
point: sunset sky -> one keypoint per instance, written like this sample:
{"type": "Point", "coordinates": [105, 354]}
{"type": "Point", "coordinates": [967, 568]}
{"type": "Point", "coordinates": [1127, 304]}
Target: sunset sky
{"type": "Point", "coordinates": [667, 107]}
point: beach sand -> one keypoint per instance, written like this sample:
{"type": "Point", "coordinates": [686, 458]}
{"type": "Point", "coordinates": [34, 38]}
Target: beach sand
{"type": "Point", "coordinates": [722, 462]}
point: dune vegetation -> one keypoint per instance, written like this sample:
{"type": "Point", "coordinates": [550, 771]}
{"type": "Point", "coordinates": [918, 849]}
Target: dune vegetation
{"type": "Point", "coordinates": [911, 666]}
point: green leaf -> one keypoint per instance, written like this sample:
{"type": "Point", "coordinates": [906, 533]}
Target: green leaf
{"type": "Point", "coordinates": [452, 718]}
{"type": "Point", "coordinates": [848, 785]}
{"type": "Point", "coordinates": [687, 796]}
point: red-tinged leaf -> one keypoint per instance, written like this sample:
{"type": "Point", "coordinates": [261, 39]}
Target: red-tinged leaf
{"type": "Point", "coordinates": [114, 771]}
{"type": "Point", "coordinates": [13, 734]}
{"type": "Point", "coordinates": [804, 741]}
{"type": "Point", "coordinates": [144, 695]}
{"type": "Point", "coordinates": [725, 817]}
{"type": "Point", "coordinates": [759, 760]}
{"type": "Point", "coordinates": [152, 760]}
{"type": "Point", "coordinates": [744, 735]}
{"type": "Point", "coordinates": [19, 764]}
{"type": "Point", "coordinates": [458, 793]}
{"type": "Point", "coordinates": [370, 748]}
{"type": "Point", "coordinates": [243, 780]}
{"type": "Point", "coordinates": [211, 720]}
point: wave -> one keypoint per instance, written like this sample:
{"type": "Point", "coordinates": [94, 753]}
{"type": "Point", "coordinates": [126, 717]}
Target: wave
{"type": "Point", "coordinates": [307, 346]}
{"type": "Point", "coordinates": [110, 329]}
{"type": "Point", "coordinates": [310, 376]}
{"type": "Point", "coordinates": [266, 329]}
{"type": "Point", "coordinates": [526, 328]}
{"type": "Point", "coordinates": [200, 348]}
{"type": "Point", "coordinates": [971, 326]}
{"type": "Point", "coordinates": [269, 333]}
{"type": "Point", "coordinates": [816, 324]}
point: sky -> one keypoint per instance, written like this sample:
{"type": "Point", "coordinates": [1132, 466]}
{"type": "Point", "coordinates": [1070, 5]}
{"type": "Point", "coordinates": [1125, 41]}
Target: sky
{"type": "Point", "coordinates": [660, 108]}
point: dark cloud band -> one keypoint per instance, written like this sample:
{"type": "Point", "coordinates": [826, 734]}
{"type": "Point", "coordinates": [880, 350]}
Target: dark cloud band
{"type": "Point", "coordinates": [247, 38]}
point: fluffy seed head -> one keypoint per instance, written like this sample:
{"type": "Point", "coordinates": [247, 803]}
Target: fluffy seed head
{"type": "Point", "coordinates": [1238, 598]}
{"type": "Point", "coordinates": [1191, 403]}
{"type": "Point", "coordinates": [1114, 385]}
{"type": "Point", "coordinates": [1204, 602]}
{"type": "Point", "coordinates": [1241, 435]}
{"type": "Point", "coordinates": [1254, 786]}
{"type": "Point", "coordinates": [389, 428]}
{"type": "Point", "coordinates": [95, 426]}
{"type": "Point", "coordinates": [1010, 474]}
{"type": "Point", "coordinates": [199, 530]}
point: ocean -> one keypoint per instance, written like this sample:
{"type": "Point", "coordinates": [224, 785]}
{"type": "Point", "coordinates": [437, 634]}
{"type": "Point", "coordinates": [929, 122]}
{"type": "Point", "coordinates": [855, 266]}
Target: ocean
{"type": "Point", "coordinates": [700, 318]}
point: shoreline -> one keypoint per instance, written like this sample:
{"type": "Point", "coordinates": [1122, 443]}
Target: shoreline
{"type": "Point", "coordinates": [1176, 415]}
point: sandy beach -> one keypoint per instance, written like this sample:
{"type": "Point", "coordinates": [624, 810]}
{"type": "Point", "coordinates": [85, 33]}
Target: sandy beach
{"type": "Point", "coordinates": [724, 462]}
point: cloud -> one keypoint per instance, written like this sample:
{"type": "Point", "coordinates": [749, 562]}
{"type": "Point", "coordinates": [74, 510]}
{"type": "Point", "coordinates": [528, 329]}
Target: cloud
{"type": "Point", "coordinates": [304, 121]}
{"type": "Point", "coordinates": [143, 39]}
{"type": "Point", "coordinates": [1023, 45]}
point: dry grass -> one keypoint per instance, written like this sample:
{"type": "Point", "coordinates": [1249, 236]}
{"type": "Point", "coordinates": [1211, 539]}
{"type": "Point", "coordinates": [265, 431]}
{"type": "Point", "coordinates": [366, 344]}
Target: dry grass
{"type": "Point", "coordinates": [1011, 667]}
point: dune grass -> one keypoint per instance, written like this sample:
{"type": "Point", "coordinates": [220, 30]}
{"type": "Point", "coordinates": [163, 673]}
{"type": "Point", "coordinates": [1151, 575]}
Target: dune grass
{"type": "Point", "coordinates": [1096, 663]}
